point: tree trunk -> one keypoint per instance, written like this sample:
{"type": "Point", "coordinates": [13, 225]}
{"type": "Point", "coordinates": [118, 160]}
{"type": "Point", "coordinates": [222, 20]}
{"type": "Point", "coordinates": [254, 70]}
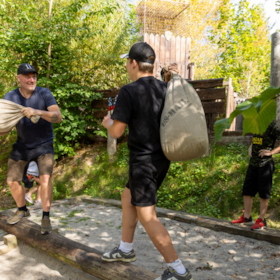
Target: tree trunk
{"type": "Point", "coordinates": [275, 69]}
{"type": "Point", "coordinates": [78, 255]}
{"type": "Point", "coordinates": [50, 44]}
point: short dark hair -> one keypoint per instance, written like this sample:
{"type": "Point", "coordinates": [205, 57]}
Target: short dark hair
{"type": "Point", "coordinates": [145, 66]}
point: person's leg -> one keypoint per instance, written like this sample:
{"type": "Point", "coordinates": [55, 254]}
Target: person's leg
{"type": "Point", "coordinates": [32, 190]}
{"type": "Point", "coordinates": [263, 207]}
{"type": "Point", "coordinates": [248, 202]}
{"type": "Point", "coordinates": [157, 232]}
{"type": "Point", "coordinates": [45, 166]}
{"type": "Point", "coordinates": [17, 192]}
{"type": "Point", "coordinates": [129, 217]}
{"type": "Point", "coordinates": [46, 192]}
{"type": "Point", "coordinates": [14, 176]}
{"type": "Point", "coordinates": [38, 193]}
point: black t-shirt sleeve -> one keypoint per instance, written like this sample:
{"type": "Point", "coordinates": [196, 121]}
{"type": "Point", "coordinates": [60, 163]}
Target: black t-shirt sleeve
{"type": "Point", "coordinates": [123, 107]}
{"type": "Point", "coordinates": [49, 98]}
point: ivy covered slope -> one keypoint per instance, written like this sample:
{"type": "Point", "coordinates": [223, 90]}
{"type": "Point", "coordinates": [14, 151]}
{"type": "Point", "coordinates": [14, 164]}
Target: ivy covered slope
{"type": "Point", "coordinates": [258, 113]}
{"type": "Point", "coordinates": [86, 36]}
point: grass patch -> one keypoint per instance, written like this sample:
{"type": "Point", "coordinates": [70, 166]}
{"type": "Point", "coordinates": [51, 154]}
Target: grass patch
{"type": "Point", "coordinates": [74, 212]}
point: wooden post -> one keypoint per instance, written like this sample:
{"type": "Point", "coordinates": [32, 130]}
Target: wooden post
{"type": "Point", "coordinates": [78, 255]}
{"type": "Point", "coordinates": [230, 104]}
{"type": "Point", "coordinates": [111, 141]}
{"type": "Point", "coordinates": [275, 69]}
{"type": "Point", "coordinates": [191, 71]}
{"type": "Point", "coordinates": [50, 44]}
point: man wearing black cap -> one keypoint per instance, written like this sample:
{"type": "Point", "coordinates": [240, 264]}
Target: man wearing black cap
{"type": "Point", "coordinates": [139, 106]}
{"type": "Point", "coordinates": [34, 142]}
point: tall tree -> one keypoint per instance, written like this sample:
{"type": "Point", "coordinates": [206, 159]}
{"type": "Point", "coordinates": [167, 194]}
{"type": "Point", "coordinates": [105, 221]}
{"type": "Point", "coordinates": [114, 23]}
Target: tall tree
{"type": "Point", "coordinates": [86, 36]}
{"type": "Point", "coordinates": [243, 42]}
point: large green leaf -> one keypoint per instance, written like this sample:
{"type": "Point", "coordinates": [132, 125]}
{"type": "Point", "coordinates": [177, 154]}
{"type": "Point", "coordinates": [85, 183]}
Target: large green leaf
{"type": "Point", "coordinates": [258, 113]}
{"type": "Point", "coordinates": [219, 128]}
{"type": "Point", "coordinates": [257, 123]}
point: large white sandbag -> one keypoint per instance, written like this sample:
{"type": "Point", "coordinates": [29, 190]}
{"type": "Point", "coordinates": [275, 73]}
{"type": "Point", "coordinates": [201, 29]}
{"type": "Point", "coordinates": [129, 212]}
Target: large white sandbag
{"type": "Point", "coordinates": [183, 129]}
{"type": "Point", "coordinates": [10, 115]}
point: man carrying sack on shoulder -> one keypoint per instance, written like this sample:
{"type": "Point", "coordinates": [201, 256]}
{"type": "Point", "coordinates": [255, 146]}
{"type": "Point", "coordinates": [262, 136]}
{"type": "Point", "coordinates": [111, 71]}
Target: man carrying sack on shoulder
{"type": "Point", "coordinates": [34, 142]}
{"type": "Point", "coordinates": [139, 106]}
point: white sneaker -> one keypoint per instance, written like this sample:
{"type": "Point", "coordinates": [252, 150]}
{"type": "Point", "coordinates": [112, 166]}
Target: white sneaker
{"type": "Point", "coordinates": [28, 198]}
{"type": "Point", "coordinates": [38, 202]}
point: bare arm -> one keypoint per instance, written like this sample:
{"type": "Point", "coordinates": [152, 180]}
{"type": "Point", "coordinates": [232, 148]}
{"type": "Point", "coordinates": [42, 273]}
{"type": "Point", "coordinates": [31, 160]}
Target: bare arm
{"type": "Point", "coordinates": [250, 150]}
{"type": "Point", "coordinates": [53, 114]}
{"type": "Point", "coordinates": [115, 128]}
{"type": "Point", "coordinates": [267, 153]}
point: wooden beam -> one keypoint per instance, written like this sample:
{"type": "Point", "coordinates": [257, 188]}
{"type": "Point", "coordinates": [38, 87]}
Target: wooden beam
{"type": "Point", "coordinates": [108, 92]}
{"type": "Point", "coordinates": [100, 114]}
{"type": "Point", "coordinates": [100, 104]}
{"type": "Point", "coordinates": [211, 94]}
{"type": "Point", "coordinates": [214, 107]}
{"type": "Point", "coordinates": [199, 84]}
{"type": "Point", "coordinates": [78, 255]}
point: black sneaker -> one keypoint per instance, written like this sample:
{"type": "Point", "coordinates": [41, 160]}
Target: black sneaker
{"type": "Point", "coordinates": [117, 255]}
{"type": "Point", "coordinates": [171, 274]}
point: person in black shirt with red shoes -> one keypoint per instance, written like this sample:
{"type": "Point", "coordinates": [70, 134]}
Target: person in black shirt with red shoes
{"type": "Point", "coordinates": [259, 175]}
{"type": "Point", "coordinates": [139, 106]}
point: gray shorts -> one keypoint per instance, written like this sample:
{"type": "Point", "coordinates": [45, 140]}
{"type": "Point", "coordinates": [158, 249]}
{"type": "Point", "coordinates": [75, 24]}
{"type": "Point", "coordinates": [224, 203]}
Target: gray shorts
{"type": "Point", "coordinates": [16, 168]}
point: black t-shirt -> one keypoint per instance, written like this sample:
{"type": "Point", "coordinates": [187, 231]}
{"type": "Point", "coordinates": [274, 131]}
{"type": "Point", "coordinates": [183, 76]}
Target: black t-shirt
{"type": "Point", "coordinates": [140, 105]}
{"type": "Point", "coordinates": [265, 141]}
{"type": "Point", "coordinates": [33, 140]}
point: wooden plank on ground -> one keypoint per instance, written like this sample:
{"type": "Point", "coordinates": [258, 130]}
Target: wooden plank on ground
{"type": "Point", "coordinates": [269, 235]}
{"type": "Point", "coordinates": [211, 93]}
{"type": "Point", "coordinates": [214, 107]}
{"type": "Point", "coordinates": [212, 83]}
{"type": "Point", "coordinates": [78, 255]}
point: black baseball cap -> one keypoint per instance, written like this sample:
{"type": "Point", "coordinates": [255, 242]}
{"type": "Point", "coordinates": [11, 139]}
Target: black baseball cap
{"type": "Point", "coordinates": [140, 52]}
{"type": "Point", "coordinates": [26, 68]}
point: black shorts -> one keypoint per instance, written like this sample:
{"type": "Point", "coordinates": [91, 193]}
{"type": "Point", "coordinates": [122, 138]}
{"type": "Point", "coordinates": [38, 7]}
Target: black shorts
{"type": "Point", "coordinates": [144, 181]}
{"type": "Point", "coordinates": [259, 180]}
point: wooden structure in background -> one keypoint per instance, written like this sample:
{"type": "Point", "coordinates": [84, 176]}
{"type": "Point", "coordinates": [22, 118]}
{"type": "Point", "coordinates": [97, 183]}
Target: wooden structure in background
{"type": "Point", "coordinates": [176, 49]}
{"type": "Point", "coordinates": [159, 16]}
{"type": "Point", "coordinates": [212, 93]}
{"type": "Point", "coordinates": [78, 255]}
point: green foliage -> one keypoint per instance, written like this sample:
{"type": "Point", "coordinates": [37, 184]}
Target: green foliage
{"type": "Point", "coordinates": [258, 113]}
{"type": "Point", "coordinates": [86, 39]}
{"type": "Point", "coordinates": [243, 39]}
{"type": "Point", "coordinates": [278, 6]}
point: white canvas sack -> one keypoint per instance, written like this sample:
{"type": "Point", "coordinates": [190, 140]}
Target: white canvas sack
{"type": "Point", "coordinates": [183, 130]}
{"type": "Point", "coordinates": [10, 115]}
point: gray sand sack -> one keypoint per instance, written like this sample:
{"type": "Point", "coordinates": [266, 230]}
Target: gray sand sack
{"type": "Point", "coordinates": [10, 115]}
{"type": "Point", "coordinates": [183, 129]}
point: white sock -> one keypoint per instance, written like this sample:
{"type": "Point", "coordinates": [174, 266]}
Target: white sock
{"type": "Point", "coordinates": [126, 247]}
{"type": "Point", "coordinates": [178, 266]}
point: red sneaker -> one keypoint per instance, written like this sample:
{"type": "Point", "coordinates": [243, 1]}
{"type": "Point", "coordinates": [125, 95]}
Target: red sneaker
{"type": "Point", "coordinates": [242, 220]}
{"type": "Point", "coordinates": [259, 224]}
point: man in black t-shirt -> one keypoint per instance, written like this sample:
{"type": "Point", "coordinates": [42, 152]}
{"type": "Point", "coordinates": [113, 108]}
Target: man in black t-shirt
{"type": "Point", "coordinates": [34, 142]}
{"type": "Point", "coordinates": [139, 106]}
{"type": "Point", "coordinates": [259, 175]}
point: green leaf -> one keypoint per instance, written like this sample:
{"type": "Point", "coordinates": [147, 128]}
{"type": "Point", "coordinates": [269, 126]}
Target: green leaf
{"type": "Point", "coordinates": [257, 123]}
{"type": "Point", "coordinates": [219, 128]}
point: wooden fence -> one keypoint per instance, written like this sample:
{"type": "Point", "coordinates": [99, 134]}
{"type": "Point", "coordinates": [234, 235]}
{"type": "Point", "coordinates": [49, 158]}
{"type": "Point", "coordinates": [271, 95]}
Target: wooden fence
{"type": "Point", "coordinates": [212, 93]}
{"type": "Point", "coordinates": [176, 49]}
